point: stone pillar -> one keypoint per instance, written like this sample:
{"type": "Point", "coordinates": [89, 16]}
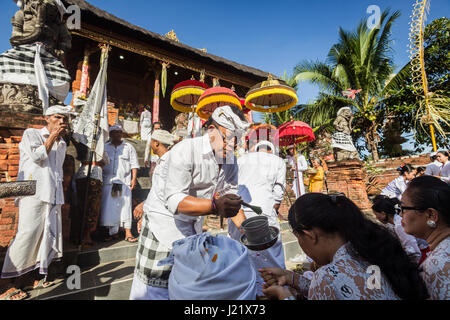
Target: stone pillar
{"type": "Point", "coordinates": [349, 177]}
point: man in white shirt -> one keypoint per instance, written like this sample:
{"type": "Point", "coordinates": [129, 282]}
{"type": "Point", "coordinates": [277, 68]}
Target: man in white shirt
{"type": "Point", "coordinates": [262, 182]}
{"type": "Point", "coordinates": [39, 236]}
{"type": "Point", "coordinates": [434, 167]}
{"type": "Point", "coordinates": [119, 179]}
{"type": "Point", "coordinates": [201, 178]}
{"type": "Point", "coordinates": [298, 167]}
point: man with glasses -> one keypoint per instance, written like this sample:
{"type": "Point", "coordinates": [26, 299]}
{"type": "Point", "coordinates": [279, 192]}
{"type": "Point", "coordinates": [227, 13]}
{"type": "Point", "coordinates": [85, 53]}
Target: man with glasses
{"type": "Point", "coordinates": [201, 179]}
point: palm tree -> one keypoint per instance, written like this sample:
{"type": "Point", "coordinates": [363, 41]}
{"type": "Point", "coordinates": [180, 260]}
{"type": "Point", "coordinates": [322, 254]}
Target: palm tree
{"type": "Point", "coordinates": [360, 60]}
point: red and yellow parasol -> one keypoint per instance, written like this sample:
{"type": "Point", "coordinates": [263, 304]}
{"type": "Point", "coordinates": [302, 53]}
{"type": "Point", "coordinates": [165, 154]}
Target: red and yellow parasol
{"type": "Point", "coordinates": [294, 132]}
{"type": "Point", "coordinates": [186, 94]}
{"type": "Point", "coordinates": [264, 130]}
{"type": "Point", "coordinates": [271, 96]}
{"type": "Point", "coordinates": [216, 97]}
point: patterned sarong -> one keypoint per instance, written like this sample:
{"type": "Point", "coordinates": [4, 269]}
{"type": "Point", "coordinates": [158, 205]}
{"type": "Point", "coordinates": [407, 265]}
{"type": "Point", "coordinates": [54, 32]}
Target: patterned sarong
{"type": "Point", "coordinates": [149, 253]}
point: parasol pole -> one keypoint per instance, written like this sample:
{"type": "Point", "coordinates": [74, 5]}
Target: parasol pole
{"type": "Point", "coordinates": [296, 170]}
{"type": "Point", "coordinates": [99, 97]}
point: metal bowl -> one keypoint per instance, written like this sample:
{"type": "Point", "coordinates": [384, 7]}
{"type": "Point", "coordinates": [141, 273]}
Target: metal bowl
{"type": "Point", "coordinates": [274, 232]}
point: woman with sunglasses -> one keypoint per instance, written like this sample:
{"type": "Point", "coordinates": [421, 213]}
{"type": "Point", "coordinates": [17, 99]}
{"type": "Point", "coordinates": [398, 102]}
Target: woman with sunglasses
{"type": "Point", "coordinates": [426, 215]}
{"type": "Point", "coordinates": [358, 259]}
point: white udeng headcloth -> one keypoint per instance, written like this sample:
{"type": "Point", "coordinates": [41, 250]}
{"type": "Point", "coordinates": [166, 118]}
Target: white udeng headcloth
{"type": "Point", "coordinates": [225, 117]}
{"type": "Point", "coordinates": [163, 136]}
{"type": "Point", "coordinates": [266, 143]}
{"type": "Point", "coordinates": [209, 267]}
{"type": "Point", "coordinates": [64, 110]}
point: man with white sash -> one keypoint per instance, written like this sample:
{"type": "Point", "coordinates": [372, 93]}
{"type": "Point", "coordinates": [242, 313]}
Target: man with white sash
{"type": "Point", "coordinates": [262, 182]}
{"type": "Point", "coordinates": [119, 179]}
{"type": "Point", "coordinates": [195, 171]}
{"type": "Point", "coordinates": [298, 164]}
{"type": "Point", "coordinates": [39, 236]}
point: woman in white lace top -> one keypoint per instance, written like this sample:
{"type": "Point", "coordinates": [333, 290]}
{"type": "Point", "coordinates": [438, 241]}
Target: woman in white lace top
{"type": "Point", "coordinates": [426, 215]}
{"type": "Point", "coordinates": [359, 259]}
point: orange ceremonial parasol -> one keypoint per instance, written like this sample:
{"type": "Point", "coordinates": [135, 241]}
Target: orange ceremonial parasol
{"type": "Point", "coordinates": [216, 97]}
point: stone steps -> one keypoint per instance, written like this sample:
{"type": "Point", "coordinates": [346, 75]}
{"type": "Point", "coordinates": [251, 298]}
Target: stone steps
{"type": "Point", "coordinates": [106, 281]}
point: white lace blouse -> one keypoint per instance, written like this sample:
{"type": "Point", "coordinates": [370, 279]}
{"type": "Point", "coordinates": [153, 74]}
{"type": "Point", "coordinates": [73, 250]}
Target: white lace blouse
{"type": "Point", "coordinates": [346, 278]}
{"type": "Point", "coordinates": [435, 271]}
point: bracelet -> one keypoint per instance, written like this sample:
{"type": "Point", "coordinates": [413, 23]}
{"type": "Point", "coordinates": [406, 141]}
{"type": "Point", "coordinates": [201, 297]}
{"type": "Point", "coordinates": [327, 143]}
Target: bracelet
{"type": "Point", "coordinates": [290, 298]}
{"type": "Point", "coordinates": [213, 205]}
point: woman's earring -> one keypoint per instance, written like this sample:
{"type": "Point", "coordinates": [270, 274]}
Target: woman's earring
{"type": "Point", "coordinates": [431, 224]}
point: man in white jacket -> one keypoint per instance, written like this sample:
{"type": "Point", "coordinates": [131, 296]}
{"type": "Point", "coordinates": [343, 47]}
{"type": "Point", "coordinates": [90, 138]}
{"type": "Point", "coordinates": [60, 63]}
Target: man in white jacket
{"type": "Point", "coordinates": [119, 179]}
{"type": "Point", "coordinates": [39, 236]}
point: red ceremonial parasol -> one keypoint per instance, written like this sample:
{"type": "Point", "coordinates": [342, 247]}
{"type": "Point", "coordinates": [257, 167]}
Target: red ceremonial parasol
{"type": "Point", "coordinates": [291, 133]}
{"type": "Point", "coordinates": [264, 131]}
{"type": "Point", "coordinates": [294, 132]}
{"type": "Point", "coordinates": [186, 94]}
{"type": "Point", "coordinates": [216, 97]}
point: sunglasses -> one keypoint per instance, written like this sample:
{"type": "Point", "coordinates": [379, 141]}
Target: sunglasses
{"type": "Point", "coordinates": [403, 208]}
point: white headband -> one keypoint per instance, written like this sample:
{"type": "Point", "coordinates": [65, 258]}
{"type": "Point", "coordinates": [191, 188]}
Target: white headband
{"type": "Point", "coordinates": [266, 143]}
{"type": "Point", "coordinates": [225, 117]}
{"type": "Point", "coordinates": [64, 110]}
{"type": "Point", "coordinates": [162, 136]}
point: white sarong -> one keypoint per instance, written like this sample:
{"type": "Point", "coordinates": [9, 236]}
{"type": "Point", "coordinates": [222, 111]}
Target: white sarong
{"type": "Point", "coordinates": [38, 240]}
{"type": "Point", "coordinates": [116, 211]}
{"type": "Point", "coordinates": [146, 128]}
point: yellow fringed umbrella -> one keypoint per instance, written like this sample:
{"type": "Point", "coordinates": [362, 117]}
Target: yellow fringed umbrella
{"type": "Point", "coordinates": [271, 96]}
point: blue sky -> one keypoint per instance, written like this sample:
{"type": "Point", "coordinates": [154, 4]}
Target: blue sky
{"type": "Point", "coordinates": [269, 35]}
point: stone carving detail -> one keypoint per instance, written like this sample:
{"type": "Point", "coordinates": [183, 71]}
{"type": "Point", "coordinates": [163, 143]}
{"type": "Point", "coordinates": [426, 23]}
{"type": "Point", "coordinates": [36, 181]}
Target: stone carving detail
{"type": "Point", "coordinates": [21, 98]}
{"type": "Point", "coordinates": [342, 143]}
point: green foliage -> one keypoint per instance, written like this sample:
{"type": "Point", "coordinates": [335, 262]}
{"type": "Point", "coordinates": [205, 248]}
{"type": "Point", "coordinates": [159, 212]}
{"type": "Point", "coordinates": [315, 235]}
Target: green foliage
{"type": "Point", "coordinates": [359, 60]}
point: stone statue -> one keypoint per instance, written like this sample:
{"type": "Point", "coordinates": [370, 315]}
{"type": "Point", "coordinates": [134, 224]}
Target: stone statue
{"type": "Point", "coordinates": [40, 40]}
{"type": "Point", "coordinates": [41, 21]}
{"type": "Point", "coordinates": [180, 130]}
{"type": "Point", "coordinates": [341, 141]}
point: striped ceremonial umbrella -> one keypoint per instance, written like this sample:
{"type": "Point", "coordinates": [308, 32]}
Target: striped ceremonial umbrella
{"type": "Point", "coordinates": [216, 97]}
{"type": "Point", "coordinates": [271, 96]}
{"type": "Point", "coordinates": [186, 94]}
